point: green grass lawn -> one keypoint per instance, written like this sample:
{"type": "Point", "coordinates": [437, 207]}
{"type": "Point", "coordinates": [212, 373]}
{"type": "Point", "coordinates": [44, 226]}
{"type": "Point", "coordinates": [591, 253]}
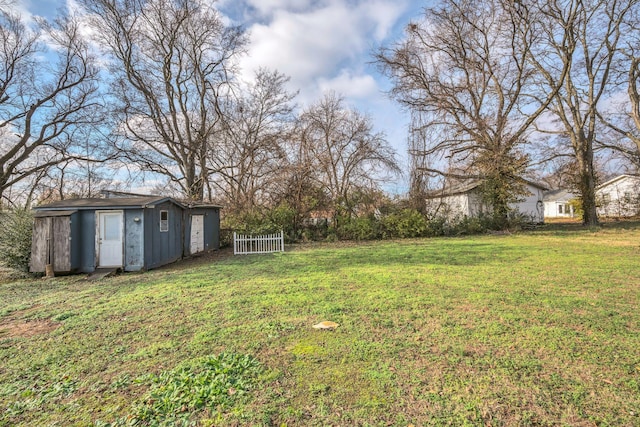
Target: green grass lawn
{"type": "Point", "coordinates": [541, 328]}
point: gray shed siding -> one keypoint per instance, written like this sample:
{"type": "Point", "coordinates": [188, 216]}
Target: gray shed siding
{"type": "Point", "coordinates": [75, 243]}
{"type": "Point", "coordinates": [162, 247]}
{"type": "Point", "coordinates": [211, 228]}
{"type": "Point", "coordinates": [87, 235]}
{"type": "Point", "coordinates": [134, 240]}
{"type": "Point", "coordinates": [83, 240]}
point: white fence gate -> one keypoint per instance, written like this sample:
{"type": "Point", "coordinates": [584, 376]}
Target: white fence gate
{"type": "Point", "coordinates": [247, 244]}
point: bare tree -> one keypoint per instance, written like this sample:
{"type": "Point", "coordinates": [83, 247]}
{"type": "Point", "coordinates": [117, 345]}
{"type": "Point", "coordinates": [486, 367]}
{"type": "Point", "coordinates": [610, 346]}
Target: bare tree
{"type": "Point", "coordinates": [466, 70]}
{"type": "Point", "coordinates": [298, 186]}
{"type": "Point", "coordinates": [419, 165]}
{"type": "Point", "coordinates": [42, 101]}
{"type": "Point", "coordinates": [173, 61]}
{"type": "Point", "coordinates": [346, 155]}
{"type": "Point", "coordinates": [583, 35]}
{"type": "Point", "coordinates": [250, 157]}
{"type": "Point", "coordinates": [622, 116]}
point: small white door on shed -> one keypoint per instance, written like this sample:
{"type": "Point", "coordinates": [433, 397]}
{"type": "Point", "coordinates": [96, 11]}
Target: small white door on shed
{"type": "Point", "coordinates": [110, 239]}
{"type": "Point", "coordinates": [197, 233]}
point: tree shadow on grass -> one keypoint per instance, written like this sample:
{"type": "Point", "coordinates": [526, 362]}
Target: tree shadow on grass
{"type": "Point", "coordinates": [576, 226]}
{"type": "Point", "coordinates": [454, 252]}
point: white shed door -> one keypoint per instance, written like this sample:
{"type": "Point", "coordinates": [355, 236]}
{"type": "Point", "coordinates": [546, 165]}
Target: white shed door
{"type": "Point", "coordinates": [110, 239]}
{"type": "Point", "coordinates": [197, 233]}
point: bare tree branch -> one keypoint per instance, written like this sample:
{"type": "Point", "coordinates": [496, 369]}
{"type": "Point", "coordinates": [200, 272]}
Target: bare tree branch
{"type": "Point", "coordinates": [344, 152]}
{"type": "Point", "coordinates": [173, 62]}
{"type": "Point", "coordinates": [41, 104]}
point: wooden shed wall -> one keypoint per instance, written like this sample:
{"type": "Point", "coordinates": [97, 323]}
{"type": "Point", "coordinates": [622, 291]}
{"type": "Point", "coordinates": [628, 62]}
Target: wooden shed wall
{"type": "Point", "coordinates": [39, 245]}
{"type": "Point", "coordinates": [53, 243]}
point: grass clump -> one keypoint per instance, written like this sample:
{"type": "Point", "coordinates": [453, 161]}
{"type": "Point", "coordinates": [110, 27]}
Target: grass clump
{"type": "Point", "coordinates": [38, 395]}
{"type": "Point", "coordinates": [204, 386]}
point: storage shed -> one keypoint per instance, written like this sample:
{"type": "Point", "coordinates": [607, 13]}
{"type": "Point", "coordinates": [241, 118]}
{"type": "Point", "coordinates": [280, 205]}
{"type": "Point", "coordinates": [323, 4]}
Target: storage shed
{"type": "Point", "coordinates": [132, 233]}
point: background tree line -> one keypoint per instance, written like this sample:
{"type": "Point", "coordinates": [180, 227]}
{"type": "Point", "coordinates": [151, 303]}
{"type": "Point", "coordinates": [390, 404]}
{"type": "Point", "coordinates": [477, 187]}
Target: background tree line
{"type": "Point", "coordinates": [152, 87]}
{"type": "Point", "coordinates": [497, 90]}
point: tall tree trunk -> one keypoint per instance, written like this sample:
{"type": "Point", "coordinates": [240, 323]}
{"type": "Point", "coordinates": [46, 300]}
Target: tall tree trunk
{"type": "Point", "coordinates": [588, 186]}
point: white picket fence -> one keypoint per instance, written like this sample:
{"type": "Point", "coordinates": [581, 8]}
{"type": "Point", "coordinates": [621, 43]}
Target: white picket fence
{"type": "Point", "coordinates": [248, 244]}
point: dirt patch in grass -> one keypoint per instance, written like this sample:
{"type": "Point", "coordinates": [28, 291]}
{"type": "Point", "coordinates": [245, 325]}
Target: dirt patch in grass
{"type": "Point", "coordinates": [205, 258]}
{"type": "Point", "coordinates": [16, 325]}
{"type": "Point", "coordinates": [25, 328]}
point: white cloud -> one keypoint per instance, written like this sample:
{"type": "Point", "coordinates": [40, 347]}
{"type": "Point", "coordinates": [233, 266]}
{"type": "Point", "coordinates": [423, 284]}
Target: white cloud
{"type": "Point", "coordinates": [23, 8]}
{"type": "Point", "coordinates": [320, 44]}
{"type": "Point", "coordinates": [304, 45]}
{"type": "Point", "coordinates": [384, 14]}
{"type": "Point", "coordinates": [350, 85]}
{"type": "Point", "coordinates": [320, 47]}
{"type": "Point", "coordinates": [326, 46]}
{"type": "Point", "coordinates": [268, 7]}
{"type": "Point", "coordinates": [74, 7]}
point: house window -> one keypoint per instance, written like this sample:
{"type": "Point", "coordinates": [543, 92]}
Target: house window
{"type": "Point", "coordinates": [164, 221]}
{"type": "Point", "coordinates": [560, 208]}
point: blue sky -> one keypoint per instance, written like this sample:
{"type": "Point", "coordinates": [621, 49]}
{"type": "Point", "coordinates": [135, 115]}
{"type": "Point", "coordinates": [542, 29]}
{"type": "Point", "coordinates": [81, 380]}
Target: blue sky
{"type": "Point", "coordinates": [321, 45]}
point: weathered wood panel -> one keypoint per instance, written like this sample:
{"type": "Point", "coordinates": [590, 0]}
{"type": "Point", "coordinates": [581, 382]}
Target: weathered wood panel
{"type": "Point", "coordinates": [39, 246]}
{"type": "Point", "coordinates": [61, 243]}
{"type": "Point", "coordinates": [51, 244]}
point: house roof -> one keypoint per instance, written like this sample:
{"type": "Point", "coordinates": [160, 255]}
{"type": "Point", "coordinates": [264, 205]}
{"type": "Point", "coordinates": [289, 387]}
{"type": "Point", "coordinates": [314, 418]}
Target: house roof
{"type": "Point", "coordinates": [468, 185]}
{"type": "Point", "coordinates": [616, 179]}
{"type": "Point", "coordinates": [112, 203]}
{"type": "Point", "coordinates": [559, 195]}
{"type": "Point", "coordinates": [119, 202]}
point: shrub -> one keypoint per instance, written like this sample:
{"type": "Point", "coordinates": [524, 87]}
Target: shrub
{"type": "Point", "coordinates": [396, 222]}
{"type": "Point", "coordinates": [15, 239]}
{"type": "Point", "coordinates": [404, 223]}
{"type": "Point", "coordinates": [361, 228]}
{"type": "Point", "coordinates": [262, 221]}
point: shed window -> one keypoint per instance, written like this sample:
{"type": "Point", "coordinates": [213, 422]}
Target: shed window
{"type": "Point", "coordinates": [164, 221]}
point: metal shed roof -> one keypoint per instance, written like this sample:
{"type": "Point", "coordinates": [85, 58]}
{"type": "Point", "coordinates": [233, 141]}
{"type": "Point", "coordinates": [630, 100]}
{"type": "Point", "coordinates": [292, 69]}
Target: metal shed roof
{"type": "Point", "coordinates": [112, 203]}
{"type": "Point", "coordinates": [56, 213]}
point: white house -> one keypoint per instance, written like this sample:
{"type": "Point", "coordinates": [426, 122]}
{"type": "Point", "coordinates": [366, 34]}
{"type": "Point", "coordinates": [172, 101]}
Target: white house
{"type": "Point", "coordinates": [619, 197]}
{"type": "Point", "coordinates": [466, 200]}
{"type": "Point", "coordinates": [557, 204]}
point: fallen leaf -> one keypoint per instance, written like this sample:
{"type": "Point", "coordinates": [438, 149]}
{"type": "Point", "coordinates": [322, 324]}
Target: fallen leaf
{"type": "Point", "coordinates": [326, 325]}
